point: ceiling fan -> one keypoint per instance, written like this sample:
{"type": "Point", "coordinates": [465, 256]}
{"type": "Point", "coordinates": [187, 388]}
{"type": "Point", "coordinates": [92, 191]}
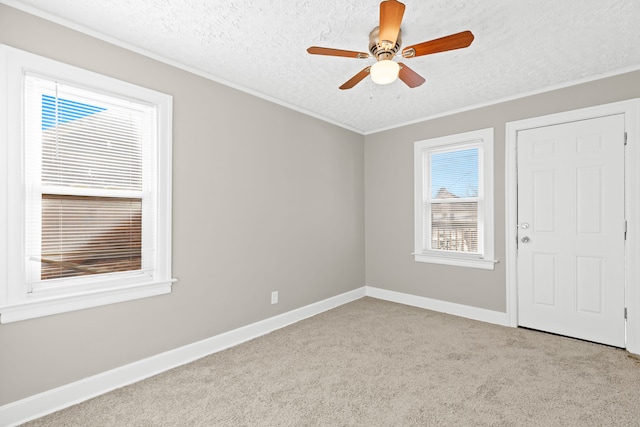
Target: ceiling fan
{"type": "Point", "coordinates": [385, 42]}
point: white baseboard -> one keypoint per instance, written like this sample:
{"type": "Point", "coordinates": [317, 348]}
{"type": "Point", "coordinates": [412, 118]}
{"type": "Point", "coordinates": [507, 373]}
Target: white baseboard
{"type": "Point", "coordinates": [469, 312]}
{"type": "Point", "coordinates": [62, 397]}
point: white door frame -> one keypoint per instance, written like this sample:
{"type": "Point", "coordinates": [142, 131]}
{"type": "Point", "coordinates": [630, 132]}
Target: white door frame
{"type": "Point", "coordinates": [631, 110]}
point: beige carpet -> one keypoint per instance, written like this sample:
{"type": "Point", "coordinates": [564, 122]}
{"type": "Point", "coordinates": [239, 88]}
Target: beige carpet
{"type": "Point", "coordinates": [376, 363]}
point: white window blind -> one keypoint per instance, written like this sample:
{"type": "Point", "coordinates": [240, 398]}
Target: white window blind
{"type": "Point", "coordinates": [89, 173]}
{"type": "Point", "coordinates": [452, 200]}
{"type": "Point", "coordinates": [89, 235]}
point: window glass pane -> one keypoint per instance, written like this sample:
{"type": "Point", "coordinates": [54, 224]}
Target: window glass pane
{"type": "Point", "coordinates": [87, 165]}
{"type": "Point", "coordinates": [454, 226]}
{"type": "Point", "coordinates": [454, 174]}
{"type": "Point", "coordinates": [90, 235]}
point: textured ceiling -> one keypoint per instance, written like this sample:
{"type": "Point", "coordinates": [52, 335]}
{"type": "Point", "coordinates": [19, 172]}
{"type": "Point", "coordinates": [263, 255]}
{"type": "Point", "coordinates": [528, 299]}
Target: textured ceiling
{"type": "Point", "coordinates": [520, 46]}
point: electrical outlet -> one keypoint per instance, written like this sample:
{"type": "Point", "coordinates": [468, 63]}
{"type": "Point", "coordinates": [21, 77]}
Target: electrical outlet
{"type": "Point", "coordinates": [274, 297]}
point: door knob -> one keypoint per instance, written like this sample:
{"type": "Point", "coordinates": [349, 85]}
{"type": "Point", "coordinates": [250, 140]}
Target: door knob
{"type": "Point", "coordinates": [525, 239]}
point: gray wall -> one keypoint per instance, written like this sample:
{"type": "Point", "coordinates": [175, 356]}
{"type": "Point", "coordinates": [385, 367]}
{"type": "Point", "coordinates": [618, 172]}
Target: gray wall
{"type": "Point", "coordinates": [264, 198]}
{"type": "Point", "coordinates": [389, 194]}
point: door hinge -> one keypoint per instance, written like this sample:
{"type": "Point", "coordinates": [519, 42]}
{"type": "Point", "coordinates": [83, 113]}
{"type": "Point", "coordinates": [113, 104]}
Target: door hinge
{"type": "Point", "coordinates": [625, 313]}
{"type": "Point", "coordinates": [625, 138]}
{"type": "Point", "coordinates": [625, 230]}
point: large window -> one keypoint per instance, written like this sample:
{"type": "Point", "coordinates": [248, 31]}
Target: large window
{"type": "Point", "coordinates": [454, 200]}
{"type": "Point", "coordinates": [87, 190]}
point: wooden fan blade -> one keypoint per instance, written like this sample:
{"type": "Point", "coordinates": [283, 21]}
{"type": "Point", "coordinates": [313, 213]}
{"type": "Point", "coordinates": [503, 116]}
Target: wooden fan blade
{"type": "Point", "coordinates": [315, 50]}
{"type": "Point", "coordinates": [410, 77]}
{"type": "Point", "coordinates": [454, 41]}
{"type": "Point", "coordinates": [391, 12]}
{"type": "Point", "coordinates": [355, 79]}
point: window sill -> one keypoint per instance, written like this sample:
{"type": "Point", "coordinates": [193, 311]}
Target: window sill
{"type": "Point", "coordinates": [484, 264]}
{"type": "Point", "coordinates": [34, 307]}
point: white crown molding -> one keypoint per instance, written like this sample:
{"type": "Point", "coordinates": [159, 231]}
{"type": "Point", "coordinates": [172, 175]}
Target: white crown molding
{"type": "Point", "coordinates": [563, 85]}
{"type": "Point", "coordinates": [17, 4]}
{"type": "Point", "coordinates": [101, 36]}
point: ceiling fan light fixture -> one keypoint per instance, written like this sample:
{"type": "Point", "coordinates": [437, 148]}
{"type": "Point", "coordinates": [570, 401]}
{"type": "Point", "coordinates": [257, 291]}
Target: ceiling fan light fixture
{"type": "Point", "coordinates": [384, 72]}
{"type": "Point", "coordinates": [384, 44]}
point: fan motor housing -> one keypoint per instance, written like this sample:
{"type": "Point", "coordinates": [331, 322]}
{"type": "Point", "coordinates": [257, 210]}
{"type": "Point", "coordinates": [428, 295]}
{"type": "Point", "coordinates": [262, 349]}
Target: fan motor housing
{"type": "Point", "coordinates": [383, 49]}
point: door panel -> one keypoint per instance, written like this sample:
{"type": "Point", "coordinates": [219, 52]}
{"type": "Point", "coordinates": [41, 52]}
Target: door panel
{"type": "Point", "coordinates": [571, 216]}
{"type": "Point", "coordinates": [545, 286]}
{"type": "Point", "coordinates": [590, 281]}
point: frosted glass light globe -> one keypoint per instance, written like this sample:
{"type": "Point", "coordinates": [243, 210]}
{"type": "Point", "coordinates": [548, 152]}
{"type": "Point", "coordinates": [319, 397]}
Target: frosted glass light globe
{"type": "Point", "coordinates": [384, 72]}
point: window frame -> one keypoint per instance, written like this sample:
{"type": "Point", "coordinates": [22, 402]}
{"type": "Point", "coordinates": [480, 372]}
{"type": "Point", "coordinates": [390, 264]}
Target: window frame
{"type": "Point", "coordinates": [17, 302]}
{"type": "Point", "coordinates": [483, 140]}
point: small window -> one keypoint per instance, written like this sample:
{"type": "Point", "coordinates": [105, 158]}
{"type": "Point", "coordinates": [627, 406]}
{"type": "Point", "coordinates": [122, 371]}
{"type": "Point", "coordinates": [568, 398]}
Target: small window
{"type": "Point", "coordinates": [89, 204]}
{"type": "Point", "coordinates": [454, 200]}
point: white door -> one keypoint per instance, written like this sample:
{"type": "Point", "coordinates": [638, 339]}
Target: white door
{"type": "Point", "coordinates": [571, 226]}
